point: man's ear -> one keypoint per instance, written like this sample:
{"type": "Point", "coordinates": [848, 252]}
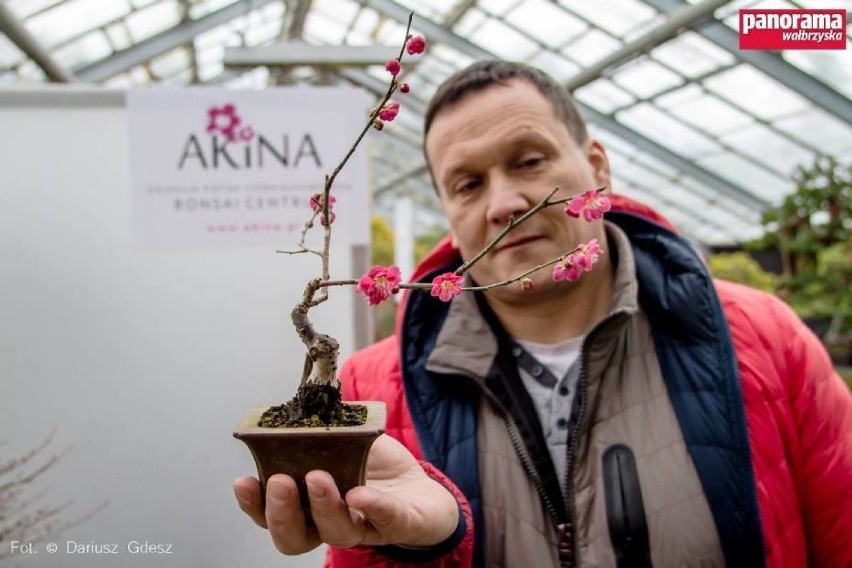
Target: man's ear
{"type": "Point", "coordinates": [596, 155]}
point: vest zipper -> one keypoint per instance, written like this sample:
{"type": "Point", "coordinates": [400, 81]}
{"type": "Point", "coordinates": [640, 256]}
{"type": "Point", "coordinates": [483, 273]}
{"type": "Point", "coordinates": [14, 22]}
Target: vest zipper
{"type": "Point", "coordinates": [516, 442]}
{"type": "Point", "coordinates": [567, 532]}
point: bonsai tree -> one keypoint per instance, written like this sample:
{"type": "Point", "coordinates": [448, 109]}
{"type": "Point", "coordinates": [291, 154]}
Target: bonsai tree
{"type": "Point", "coordinates": [812, 228]}
{"type": "Point", "coordinates": [318, 399]}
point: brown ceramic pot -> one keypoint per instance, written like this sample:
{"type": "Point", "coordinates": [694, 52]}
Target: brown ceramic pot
{"type": "Point", "coordinates": [339, 450]}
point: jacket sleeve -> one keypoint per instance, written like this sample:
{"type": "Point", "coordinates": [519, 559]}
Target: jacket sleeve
{"type": "Point", "coordinates": [457, 550]}
{"type": "Point", "coordinates": [822, 411]}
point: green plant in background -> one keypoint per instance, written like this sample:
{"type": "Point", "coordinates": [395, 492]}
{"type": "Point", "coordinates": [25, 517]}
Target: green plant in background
{"type": "Point", "coordinates": [812, 228]}
{"type": "Point", "coordinates": [741, 267]}
{"type": "Point", "coordinates": [382, 253]}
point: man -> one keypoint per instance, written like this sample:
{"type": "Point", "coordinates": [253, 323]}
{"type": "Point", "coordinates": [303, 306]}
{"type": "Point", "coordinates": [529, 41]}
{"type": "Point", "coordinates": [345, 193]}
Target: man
{"type": "Point", "coordinates": [641, 415]}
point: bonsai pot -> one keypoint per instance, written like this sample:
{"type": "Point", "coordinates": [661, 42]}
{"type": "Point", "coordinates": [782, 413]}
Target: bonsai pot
{"type": "Point", "coordinates": [339, 450]}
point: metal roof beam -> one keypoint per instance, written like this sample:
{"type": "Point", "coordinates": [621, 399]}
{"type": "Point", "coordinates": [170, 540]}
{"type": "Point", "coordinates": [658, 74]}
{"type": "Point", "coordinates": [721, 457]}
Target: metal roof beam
{"type": "Point", "coordinates": [181, 34]}
{"type": "Point", "coordinates": [296, 53]}
{"type": "Point", "coordinates": [32, 48]}
{"type": "Point", "coordinates": [441, 34]}
{"type": "Point", "coordinates": [682, 17]}
{"type": "Point", "coordinates": [771, 64]}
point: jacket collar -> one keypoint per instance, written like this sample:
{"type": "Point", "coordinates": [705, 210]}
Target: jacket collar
{"type": "Point", "coordinates": [466, 343]}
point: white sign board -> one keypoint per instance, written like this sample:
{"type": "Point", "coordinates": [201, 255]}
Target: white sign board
{"type": "Point", "coordinates": [215, 167]}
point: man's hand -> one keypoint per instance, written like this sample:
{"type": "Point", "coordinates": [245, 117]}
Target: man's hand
{"type": "Point", "coordinates": [399, 505]}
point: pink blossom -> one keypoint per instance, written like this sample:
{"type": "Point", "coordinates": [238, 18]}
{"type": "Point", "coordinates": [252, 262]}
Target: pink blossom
{"type": "Point", "coordinates": [316, 206]}
{"type": "Point", "coordinates": [587, 255]}
{"type": "Point", "coordinates": [416, 44]}
{"type": "Point", "coordinates": [224, 119]}
{"type": "Point", "coordinates": [389, 111]}
{"type": "Point", "coordinates": [317, 200]}
{"type": "Point", "coordinates": [404, 88]}
{"type": "Point", "coordinates": [564, 270]}
{"type": "Point", "coordinates": [591, 204]}
{"type": "Point", "coordinates": [446, 286]}
{"type": "Point", "coordinates": [393, 66]}
{"type": "Point", "coordinates": [572, 265]}
{"type": "Point", "coordinates": [379, 283]}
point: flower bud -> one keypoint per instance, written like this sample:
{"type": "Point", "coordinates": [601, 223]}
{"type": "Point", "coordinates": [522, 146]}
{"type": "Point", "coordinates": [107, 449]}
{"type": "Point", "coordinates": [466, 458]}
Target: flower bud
{"type": "Point", "coordinates": [393, 67]}
{"type": "Point", "coordinates": [526, 284]}
{"type": "Point", "coordinates": [378, 124]}
{"type": "Point", "coordinates": [404, 87]}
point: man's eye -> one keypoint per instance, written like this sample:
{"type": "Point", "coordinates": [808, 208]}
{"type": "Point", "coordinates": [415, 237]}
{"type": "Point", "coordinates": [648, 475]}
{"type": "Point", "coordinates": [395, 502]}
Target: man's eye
{"type": "Point", "coordinates": [466, 185]}
{"type": "Point", "coordinates": [530, 162]}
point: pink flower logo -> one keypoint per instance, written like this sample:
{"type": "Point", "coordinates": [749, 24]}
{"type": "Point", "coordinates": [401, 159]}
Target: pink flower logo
{"type": "Point", "coordinates": [446, 286]}
{"type": "Point", "coordinates": [246, 133]}
{"type": "Point", "coordinates": [590, 204]}
{"type": "Point", "coordinates": [226, 121]}
{"type": "Point", "coordinates": [223, 119]}
{"type": "Point", "coordinates": [379, 283]}
{"type": "Point", "coordinates": [572, 266]}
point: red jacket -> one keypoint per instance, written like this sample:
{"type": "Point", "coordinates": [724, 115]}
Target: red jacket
{"type": "Point", "coordinates": [799, 421]}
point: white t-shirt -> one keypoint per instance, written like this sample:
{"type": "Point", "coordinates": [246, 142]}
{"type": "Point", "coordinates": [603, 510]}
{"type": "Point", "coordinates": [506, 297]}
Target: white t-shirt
{"type": "Point", "coordinates": [553, 402]}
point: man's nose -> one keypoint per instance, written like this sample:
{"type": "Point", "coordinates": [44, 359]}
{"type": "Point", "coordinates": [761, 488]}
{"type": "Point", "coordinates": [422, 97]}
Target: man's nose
{"type": "Point", "coordinates": [505, 200]}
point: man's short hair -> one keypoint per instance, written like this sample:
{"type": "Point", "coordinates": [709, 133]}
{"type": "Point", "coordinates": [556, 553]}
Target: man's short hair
{"type": "Point", "coordinates": [483, 74]}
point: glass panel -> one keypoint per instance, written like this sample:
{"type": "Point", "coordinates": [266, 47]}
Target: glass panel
{"type": "Point", "coordinates": [549, 24]}
{"type": "Point", "coordinates": [153, 20]}
{"type": "Point", "coordinates": [556, 66]}
{"type": "Point", "coordinates": [656, 125]}
{"type": "Point", "coordinates": [171, 63]}
{"type": "Point", "coordinates": [704, 111]}
{"type": "Point", "coordinates": [10, 55]}
{"type": "Point", "coordinates": [262, 32]}
{"type": "Point", "coordinates": [209, 70]}
{"type": "Point", "coordinates": [503, 41]}
{"type": "Point", "coordinates": [342, 11]}
{"type": "Point", "coordinates": [820, 130]}
{"type": "Point", "coordinates": [591, 47]}
{"type": "Point", "coordinates": [118, 36]}
{"type": "Point", "coordinates": [25, 8]}
{"type": "Point", "coordinates": [362, 28]}
{"type": "Point", "coordinates": [745, 174]}
{"type": "Point", "coordinates": [469, 23]}
{"type": "Point", "coordinates": [645, 78]}
{"type": "Point", "coordinates": [500, 7]}
{"type": "Point", "coordinates": [692, 55]}
{"type": "Point", "coordinates": [89, 48]}
{"type": "Point", "coordinates": [29, 72]}
{"type": "Point", "coordinates": [74, 18]}
{"type": "Point", "coordinates": [769, 148]}
{"type": "Point", "coordinates": [432, 9]}
{"type": "Point", "coordinates": [323, 29]}
{"type": "Point", "coordinates": [203, 8]}
{"type": "Point", "coordinates": [453, 58]}
{"type": "Point", "coordinates": [615, 16]}
{"type": "Point", "coordinates": [832, 67]}
{"type": "Point", "coordinates": [604, 96]}
{"type": "Point", "coordinates": [755, 92]}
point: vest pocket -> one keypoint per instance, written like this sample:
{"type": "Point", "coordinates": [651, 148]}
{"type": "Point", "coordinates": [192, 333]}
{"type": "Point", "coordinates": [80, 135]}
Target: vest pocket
{"type": "Point", "coordinates": [625, 511]}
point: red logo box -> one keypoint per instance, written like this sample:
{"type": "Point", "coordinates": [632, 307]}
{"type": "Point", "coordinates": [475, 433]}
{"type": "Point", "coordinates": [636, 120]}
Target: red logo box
{"type": "Point", "coordinates": [792, 29]}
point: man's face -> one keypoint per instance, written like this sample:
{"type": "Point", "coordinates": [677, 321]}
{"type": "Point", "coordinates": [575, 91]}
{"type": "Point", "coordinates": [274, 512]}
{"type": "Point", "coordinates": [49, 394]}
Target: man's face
{"type": "Point", "coordinates": [496, 154]}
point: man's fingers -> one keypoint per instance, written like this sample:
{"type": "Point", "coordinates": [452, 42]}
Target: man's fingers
{"type": "Point", "coordinates": [247, 491]}
{"type": "Point", "coordinates": [334, 522]}
{"type": "Point", "coordinates": [285, 517]}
